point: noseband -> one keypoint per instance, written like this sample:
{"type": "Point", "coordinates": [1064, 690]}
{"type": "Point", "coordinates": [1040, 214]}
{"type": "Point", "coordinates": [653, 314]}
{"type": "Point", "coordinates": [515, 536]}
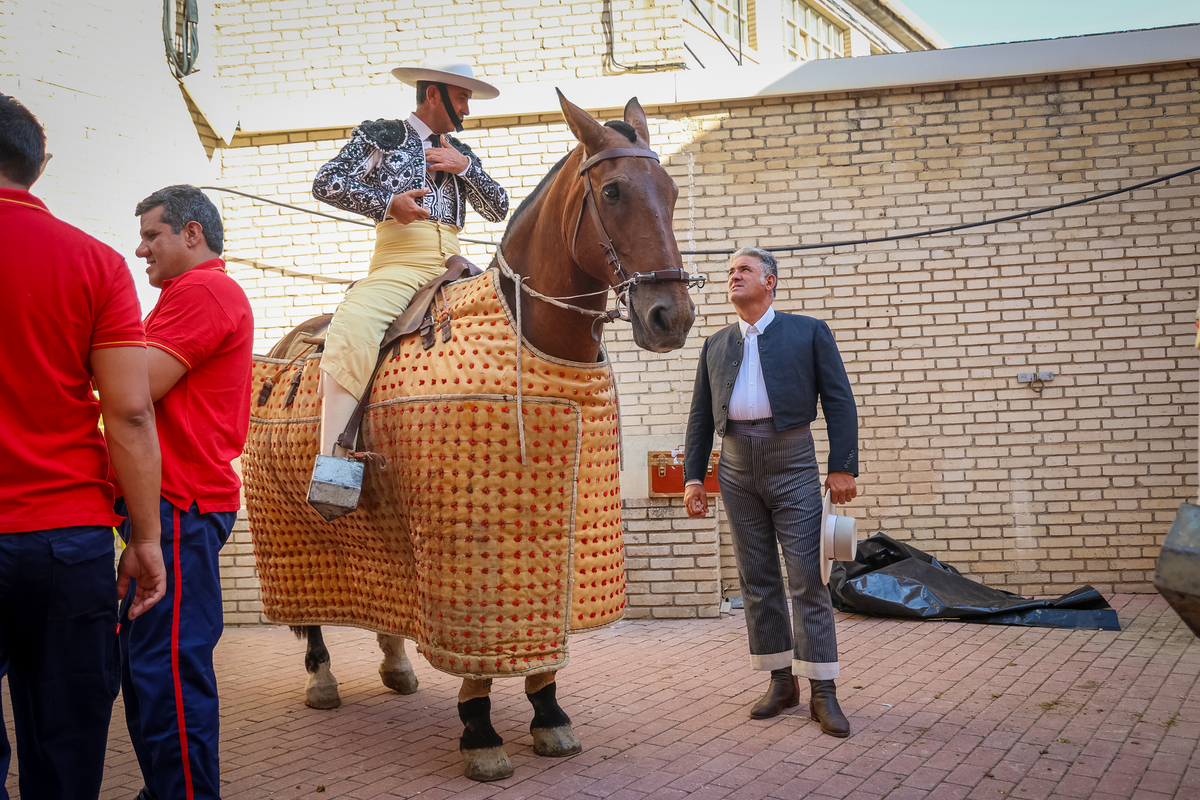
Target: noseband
{"type": "Point", "coordinates": [606, 243]}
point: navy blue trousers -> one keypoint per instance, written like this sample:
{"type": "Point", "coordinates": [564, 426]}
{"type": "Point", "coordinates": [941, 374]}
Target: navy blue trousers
{"type": "Point", "coordinates": [167, 679]}
{"type": "Point", "coordinates": [58, 647]}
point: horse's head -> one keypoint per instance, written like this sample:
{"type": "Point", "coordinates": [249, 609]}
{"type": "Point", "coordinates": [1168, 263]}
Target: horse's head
{"type": "Point", "coordinates": [626, 236]}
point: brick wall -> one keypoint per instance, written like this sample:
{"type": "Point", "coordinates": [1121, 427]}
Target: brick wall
{"type": "Point", "coordinates": [1032, 492]}
{"type": "Point", "coordinates": [297, 46]}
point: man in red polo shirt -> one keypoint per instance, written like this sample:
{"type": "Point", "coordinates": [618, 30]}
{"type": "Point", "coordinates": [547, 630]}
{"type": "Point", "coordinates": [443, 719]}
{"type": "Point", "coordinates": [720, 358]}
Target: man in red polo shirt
{"type": "Point", "coordinates": [71, 316]}
{"type": "Point", "coordinates": [200, 336]}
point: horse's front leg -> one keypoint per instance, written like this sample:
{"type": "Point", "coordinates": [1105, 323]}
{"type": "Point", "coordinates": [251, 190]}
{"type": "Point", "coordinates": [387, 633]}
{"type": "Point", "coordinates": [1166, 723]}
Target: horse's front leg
{"type": "Point", "coordinates": [322, 688]}
{"type": "Point", "coordinates": [395, 669]}
{"type": "Point", "coordinates": [482, 748]}
{"type": "Point", "coordinates": [551, 727]}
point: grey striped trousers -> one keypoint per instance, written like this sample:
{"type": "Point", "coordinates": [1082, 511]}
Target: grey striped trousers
{"type": "Point", "coordinates": [771, 490]}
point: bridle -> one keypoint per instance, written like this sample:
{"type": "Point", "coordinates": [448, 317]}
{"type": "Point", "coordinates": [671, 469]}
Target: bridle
{"type": "Point", "coordinates": [625, 280]}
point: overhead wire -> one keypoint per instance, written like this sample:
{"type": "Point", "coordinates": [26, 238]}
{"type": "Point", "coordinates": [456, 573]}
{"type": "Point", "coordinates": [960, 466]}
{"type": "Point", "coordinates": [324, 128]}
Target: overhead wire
{"type": "Point", "coordinates": [773, 249]}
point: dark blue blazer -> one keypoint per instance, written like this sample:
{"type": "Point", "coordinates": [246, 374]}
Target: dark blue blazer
{"type": "Point", "coordinates": [800, 362]}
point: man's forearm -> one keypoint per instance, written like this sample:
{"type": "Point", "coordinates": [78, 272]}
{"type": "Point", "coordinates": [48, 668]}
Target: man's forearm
{"type": "Point", "coordinates": [133, 450]}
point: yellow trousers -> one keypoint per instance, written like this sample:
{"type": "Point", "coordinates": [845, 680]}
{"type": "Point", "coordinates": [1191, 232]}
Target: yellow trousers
{"type": "Point", "coordinates": [406, 258]}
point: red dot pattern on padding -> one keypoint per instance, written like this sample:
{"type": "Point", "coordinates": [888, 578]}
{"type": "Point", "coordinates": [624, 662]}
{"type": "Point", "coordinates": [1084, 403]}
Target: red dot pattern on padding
{"type": "Point", "coordinates": [485, 562]}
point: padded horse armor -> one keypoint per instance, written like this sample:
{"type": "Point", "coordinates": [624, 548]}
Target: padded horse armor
{"type": "Point", "coordinates": [485, 562]}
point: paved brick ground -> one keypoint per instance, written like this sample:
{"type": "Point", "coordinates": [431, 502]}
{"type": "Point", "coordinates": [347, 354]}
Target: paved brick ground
{"type": "Point", "coordinates": [938, 710]}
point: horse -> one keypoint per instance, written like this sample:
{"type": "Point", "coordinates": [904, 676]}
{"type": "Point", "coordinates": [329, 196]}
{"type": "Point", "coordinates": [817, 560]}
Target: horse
{"type": "Point", "coordinates": [556, 265]}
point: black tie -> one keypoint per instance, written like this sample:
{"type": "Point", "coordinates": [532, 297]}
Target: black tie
{"type": "Point", "coordinates": [435, 139]}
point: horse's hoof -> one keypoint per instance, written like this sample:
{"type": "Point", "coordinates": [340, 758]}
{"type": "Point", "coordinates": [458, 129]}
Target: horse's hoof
{"type": "Point", "coordinates": [556, 742]}
{"type": "Point", "coordinates": [487, 764]}
{"type": "Point", "coordinates": [321, 692]}
{"type": "Point", "coordinates": [403, 681]}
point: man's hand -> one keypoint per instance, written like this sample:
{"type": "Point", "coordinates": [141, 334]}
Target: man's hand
{"type": "Point", "coordinates": [446, 159]}
{"type": "Point", "coordinates": [842, 487]}
{"type": "Point", "coordinates": [695, 499]}
{"type": "Point", "coordinates": [406, 207]}
{"type": "Point", "coordinates": [143, 561]}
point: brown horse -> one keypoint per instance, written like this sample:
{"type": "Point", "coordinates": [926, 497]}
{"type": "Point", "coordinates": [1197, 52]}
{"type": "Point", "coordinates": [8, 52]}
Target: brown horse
{"type": "Point", "coordinates": [560, 245]}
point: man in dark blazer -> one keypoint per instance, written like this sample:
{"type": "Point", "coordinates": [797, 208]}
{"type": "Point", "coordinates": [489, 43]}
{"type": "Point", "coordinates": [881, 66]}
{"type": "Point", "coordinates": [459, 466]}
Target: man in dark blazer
{"type": "Point", "coordinates": [757, 386]}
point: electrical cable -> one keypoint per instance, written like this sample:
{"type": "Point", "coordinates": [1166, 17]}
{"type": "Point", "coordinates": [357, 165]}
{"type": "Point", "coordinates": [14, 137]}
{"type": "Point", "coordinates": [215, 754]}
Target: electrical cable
{"type": "Point", "coordinates": [713, 28]}
{"type": "Point", "coordinates": [952, 228]}
{"type": "Point", "coordinates": [182, 61]}
{"type": "Point", "coordinates": [606, 17]}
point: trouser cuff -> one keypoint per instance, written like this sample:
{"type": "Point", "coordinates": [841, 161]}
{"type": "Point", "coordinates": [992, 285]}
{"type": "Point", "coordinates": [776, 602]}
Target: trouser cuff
{"type": "Point", "coordinates": [771, 661]}
{"type": "Point", "coordinates": [825, 671]}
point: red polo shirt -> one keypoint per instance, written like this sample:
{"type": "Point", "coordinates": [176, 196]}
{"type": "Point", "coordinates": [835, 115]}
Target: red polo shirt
{"type": "Point", "coordinates": [203, 319]}
{"type": "Point", "coordinates": [64, 294]}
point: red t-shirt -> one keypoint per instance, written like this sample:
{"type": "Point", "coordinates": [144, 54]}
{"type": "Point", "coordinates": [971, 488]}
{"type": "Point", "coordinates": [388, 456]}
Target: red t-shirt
{"type": "Point", "coordinates": [203, 319]}
{"type": "Point", "coordinates": [65, 294]}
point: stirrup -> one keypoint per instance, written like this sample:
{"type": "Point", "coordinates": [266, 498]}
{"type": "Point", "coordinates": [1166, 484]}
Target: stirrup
{"type": "Point", "coordinates": [336, 486]}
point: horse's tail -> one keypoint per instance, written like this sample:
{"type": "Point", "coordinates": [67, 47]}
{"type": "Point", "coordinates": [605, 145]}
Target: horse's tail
{"type": "Point", "coordinates": [301, 631]}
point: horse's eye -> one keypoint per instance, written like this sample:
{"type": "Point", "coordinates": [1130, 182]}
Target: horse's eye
{"type": "Point", "coordinates": [612, 192]}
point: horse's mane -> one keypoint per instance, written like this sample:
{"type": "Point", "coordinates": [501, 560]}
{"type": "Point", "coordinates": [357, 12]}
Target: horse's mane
{"type": "Point", "coordinates": [620, 126]}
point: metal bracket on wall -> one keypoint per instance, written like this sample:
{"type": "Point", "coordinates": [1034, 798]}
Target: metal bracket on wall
{"type": "Point", "coordinates": [1036, 380]}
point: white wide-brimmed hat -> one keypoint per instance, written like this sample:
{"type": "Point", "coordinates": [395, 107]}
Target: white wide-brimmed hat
{"type": "Point", "coordinates": [447, 69]}
{"type": "Point", "coordinates": [839, 538]}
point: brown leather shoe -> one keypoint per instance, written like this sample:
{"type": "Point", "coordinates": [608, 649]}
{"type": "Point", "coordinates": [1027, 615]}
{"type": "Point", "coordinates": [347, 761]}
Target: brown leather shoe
{"type": "Point", "coordinates": [825, 710]}
{"type": "Point", "coordinates": [781, 694]}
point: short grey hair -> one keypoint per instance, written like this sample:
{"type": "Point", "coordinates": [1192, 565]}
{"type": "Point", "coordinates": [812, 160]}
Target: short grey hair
{"type": "Point", "coordinates": [766, 261]}
{"type": "Point", "coordinates": [182, 204]}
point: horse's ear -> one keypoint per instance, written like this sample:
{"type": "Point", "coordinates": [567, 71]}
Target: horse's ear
{"type": "Point", "coordinates": [637, 119]}
{"type": "Point", "coordinates": [585, 127]}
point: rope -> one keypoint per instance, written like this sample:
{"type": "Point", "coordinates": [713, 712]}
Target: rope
{"type": "Point", "coordinates": [520, 374]}
{"type": "Point", "coordinates": [315, 213]}
{"type": "Point", "coordinates": [507, 271]}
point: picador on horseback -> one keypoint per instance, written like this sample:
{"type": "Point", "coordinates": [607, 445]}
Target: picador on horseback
{"type": "Point", "coordinates": [489, 522]}
{"type": "Point", "coordinates": [414, 182]}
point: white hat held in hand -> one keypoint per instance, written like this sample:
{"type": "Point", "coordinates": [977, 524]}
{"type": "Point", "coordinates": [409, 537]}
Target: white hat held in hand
{"type": "Point", "coordinates": [839, 538]}
{"type": "Point", "coordinates": [447, 69]}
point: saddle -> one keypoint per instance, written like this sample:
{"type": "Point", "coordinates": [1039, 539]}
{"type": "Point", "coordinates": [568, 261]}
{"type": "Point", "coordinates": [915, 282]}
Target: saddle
{"type": "Point", "coordinates": [421, 315]}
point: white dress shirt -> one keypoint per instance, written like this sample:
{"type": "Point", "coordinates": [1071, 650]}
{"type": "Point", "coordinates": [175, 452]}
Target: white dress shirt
{"type": "Point", "coordinates": [424, 131]}
{"type": "Point", "coordinates": [749, 399]}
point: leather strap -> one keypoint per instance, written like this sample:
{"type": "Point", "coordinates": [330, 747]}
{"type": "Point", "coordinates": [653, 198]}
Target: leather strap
{"type": "Point", "coordinates": [615, 152]}
{"type": "Point", "coordinates": [589, 203]}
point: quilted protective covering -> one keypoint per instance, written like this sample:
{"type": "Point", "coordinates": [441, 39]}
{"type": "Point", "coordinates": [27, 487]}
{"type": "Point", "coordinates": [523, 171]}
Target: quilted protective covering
{"type": "Point", "coordinates": [486, 563]}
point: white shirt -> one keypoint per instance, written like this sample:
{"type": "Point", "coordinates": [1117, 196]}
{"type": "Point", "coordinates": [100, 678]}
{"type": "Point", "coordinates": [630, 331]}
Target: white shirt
{"type": "Point", "coordinates": [424, 131]}
{"type": "Point", "coordinates": [749, 399]}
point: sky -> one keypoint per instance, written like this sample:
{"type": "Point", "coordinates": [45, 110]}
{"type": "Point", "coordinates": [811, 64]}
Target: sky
{"type": "Point", "coordinates": [968, 22]}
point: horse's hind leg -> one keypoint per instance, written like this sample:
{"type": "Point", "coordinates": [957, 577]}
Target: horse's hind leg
{"type": "Point", "coordinates": [322, 688]}
{"type": "Point", "coordinates": [395, 669]}
{"type": "Point", "coordinates": [551, 727]}
{"type": "Point", "coordinates": [481, 747]}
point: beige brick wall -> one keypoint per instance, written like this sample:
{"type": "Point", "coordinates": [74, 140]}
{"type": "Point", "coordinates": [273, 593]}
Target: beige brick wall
{"type": "Point", "coordinates": [296, 46]}
{"type": "Point", "coordinates": [1036, 493]}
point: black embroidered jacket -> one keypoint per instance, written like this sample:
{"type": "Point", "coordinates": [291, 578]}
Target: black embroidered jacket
{"type": "Point", "coordinates": [386, 157]}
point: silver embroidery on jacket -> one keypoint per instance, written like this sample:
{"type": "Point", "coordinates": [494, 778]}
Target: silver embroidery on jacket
{"type": "Point", "coordinates": [386, 157]}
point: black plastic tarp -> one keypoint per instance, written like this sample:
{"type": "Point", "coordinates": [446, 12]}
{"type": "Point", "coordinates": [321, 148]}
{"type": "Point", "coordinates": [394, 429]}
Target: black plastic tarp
{"type": "Point", "coordinates": [892, 579]}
